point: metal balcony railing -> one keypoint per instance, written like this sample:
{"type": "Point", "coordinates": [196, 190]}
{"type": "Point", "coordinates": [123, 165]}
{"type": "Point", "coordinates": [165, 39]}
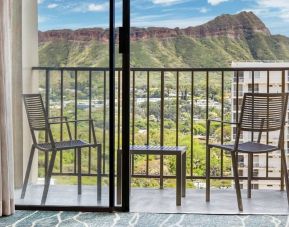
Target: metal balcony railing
{"type": "Point", "coordinates": [169, 106]}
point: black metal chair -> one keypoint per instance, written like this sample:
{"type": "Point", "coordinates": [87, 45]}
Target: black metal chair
{"type": "Point", "coordinates": [259, 113]}
{"type": "Point", "coordinates": [38, 121]}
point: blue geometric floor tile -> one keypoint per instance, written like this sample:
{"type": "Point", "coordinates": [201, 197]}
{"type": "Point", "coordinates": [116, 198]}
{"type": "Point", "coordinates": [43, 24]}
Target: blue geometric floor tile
{"type": "Point", "coordinates": [78, 219]}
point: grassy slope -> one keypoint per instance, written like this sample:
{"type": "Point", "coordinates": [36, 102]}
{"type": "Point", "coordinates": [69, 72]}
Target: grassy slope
{"type": "Point", "coordinates": [172, 52]}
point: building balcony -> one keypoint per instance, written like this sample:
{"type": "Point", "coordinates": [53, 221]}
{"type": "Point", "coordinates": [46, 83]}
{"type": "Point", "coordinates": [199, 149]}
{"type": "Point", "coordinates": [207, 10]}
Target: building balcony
{"type": "Point", "coordinates": [155, 200]}
{"type": "Point", "coordinates": [168, 107]}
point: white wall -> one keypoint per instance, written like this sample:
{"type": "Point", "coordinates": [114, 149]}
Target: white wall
{"type": "Point", "coordinates": [29, 79]}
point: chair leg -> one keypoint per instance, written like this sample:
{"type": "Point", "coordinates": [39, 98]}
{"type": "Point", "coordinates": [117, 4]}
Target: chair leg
{"type": "Point", "coordinates": [45, 163]}
{"type": "Point", "coordinates": [48, 177]}
{"type": "Point", "coordinates": [99, 172]}
{"type": "Point", "coordinates": [250, 172]}
{"type": "Point", "coordinates": [184, 173]}
{"type": "Point", "coordinates": [79, 170]}
{"type": "Point", "coordinates": [282, 176]}
{"type": "Point", "coordinates": [284, 165]}
{"type": "Point", "coordinates": [236, 179]}
{"type": "Point", "coordinates": [119, 176]}
{"type": "Point", "coordinates": [28, 169]}
{"type": "Point", "coordinates": [179, 180]}
{"type": "Point", "coordinates": [208, 167]}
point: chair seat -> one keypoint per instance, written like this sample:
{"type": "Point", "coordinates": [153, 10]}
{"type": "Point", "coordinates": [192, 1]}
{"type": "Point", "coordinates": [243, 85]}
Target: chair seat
{"type": "Point", "coordinates": [248, 147]}
{"type": "Point", "coordinates": [64, 145]}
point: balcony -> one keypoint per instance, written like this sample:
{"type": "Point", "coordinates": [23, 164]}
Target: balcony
{"type": "Point", "coordinates": [169, 106]}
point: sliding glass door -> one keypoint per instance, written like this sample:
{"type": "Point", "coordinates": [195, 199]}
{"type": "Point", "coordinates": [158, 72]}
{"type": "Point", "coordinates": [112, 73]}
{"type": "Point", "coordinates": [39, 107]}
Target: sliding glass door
{"type": "Point", "coordinates": [77, 80]}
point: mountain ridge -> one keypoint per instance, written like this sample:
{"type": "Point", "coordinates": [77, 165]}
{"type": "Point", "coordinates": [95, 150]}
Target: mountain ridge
{"type": "Point", "coordinates": [216, 43]}
{"type": "Point", "coordinates": [243, 24]}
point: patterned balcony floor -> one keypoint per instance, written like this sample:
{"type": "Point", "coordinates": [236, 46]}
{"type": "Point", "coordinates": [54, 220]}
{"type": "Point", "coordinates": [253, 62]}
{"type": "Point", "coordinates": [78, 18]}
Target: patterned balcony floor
{"type": "Point", "coordinates": [75, 219]}
{"type": "Point", "coordinates": [149, 200]}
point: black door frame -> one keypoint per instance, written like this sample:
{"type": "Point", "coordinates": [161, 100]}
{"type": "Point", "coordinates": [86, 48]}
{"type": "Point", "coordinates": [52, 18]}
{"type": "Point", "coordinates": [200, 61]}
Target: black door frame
{"type": "Point", "coordinates": [111, 104]}
{"type": "Point", "coordinates": [125, 105]}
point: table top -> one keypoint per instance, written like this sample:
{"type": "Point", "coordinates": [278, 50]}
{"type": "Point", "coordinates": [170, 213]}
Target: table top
{"type": "Point", "coordinates": [157, 149]}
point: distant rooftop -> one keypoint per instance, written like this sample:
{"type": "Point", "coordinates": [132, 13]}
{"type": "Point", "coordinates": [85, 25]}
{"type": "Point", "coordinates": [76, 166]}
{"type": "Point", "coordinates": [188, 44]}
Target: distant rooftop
{"type": "Point", "coordinates": [261, 63]}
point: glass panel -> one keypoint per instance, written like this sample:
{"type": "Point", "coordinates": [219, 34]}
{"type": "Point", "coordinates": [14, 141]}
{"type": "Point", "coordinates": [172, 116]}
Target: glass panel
{"type": "Point", "coordinates": [74, 84]}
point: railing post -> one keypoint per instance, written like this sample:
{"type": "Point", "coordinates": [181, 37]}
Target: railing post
{"type": "Point", "coordinates": [61, 114]}
{"type": "Point", "coordinates": [75, 115]}
{"type": "Point", "coordinates": [222, 124]}
{"type": "Point", "coordinates": [104, 122]}
{"type": "Point", "coordinates": [89, 116]}
{"type": "Point", "coordinates": [177, 108]}
{"type": "Point", "coordinates": [282, 139]}
{"type": "Point", "coordinates": [192, 124]}
{"type": "Point", "coordinates": [162, 129]}
{"type": "Point", "coordinates": [148, 120]}
{"type": "Point", "coordinates": [133, 120]}
{"type": "Point", "coordinates": [267, 133]}
{"type": "Point", "coordinates": [47, 107]}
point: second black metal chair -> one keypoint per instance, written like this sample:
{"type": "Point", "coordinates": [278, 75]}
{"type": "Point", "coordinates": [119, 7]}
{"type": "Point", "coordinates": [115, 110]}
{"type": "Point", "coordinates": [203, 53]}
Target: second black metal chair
{"type": "Point", "coordinates": [38, 121]}
{"type": "Point", "coordinates": [260, 112]}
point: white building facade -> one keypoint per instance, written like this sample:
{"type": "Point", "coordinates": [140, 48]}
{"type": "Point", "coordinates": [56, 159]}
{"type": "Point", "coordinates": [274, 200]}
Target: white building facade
{"type": "Point", "coordinates": [261, 82]}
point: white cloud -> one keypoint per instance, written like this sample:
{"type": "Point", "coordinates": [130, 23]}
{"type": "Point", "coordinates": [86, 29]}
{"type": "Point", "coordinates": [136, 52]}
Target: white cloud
{"type": "Point", "coordinates": [42, 19]}
{"type": "Point", "coordinates": [163, 21]}
{"type": "Point", "coordinates": [203, 10]}
{"type": "Point", "coordinates": [166, 2]}
{"type": "Point", "coordinates": [274, 4]}
{"type": "Point", "coordinates": [97, 7]}
{"type": "Point", "coordinates": [278, 8]}
{"type": "Point", "coordinates": [216, 2]}
{"type": "Point", "coordinates": [52, 6]}
{"type": "Point", "coordinates": [40, 1]}
{"type": "Point", "coordinates": [88, 7]}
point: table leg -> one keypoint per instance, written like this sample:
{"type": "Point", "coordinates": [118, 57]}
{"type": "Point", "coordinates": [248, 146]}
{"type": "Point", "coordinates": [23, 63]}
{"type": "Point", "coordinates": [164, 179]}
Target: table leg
{"type": "Point", "coordinates": [184, 159]}
{"type": "Point", "coordinates": [119, 176]}
{"type": "Point", "coordinates": [179, 180]}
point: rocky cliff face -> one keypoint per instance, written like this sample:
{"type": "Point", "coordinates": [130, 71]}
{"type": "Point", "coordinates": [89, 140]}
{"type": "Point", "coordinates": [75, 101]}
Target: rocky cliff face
{"type": "Point", "coordinates": [244, 24]}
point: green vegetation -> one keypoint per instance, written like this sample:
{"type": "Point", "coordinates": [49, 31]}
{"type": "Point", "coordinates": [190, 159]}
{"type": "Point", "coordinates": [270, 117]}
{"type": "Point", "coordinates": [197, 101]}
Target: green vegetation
{"type": "Point", "coordinates": [195, 151]}
{"type": "Point", "coordinates": [181, 51]}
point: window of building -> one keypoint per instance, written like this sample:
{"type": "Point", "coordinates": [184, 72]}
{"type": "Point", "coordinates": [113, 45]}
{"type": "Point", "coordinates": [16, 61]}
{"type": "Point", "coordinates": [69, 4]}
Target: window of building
{"type": "Point", "coordinates": [241, 172]}
{"type": "Point", "coordinates": [239, 103]}
{"type": "Point", "coordinates": [257, 75]}
{"type": "Point", "coordinates": [256, 161]}
{"type": "Point", "coordinates": [241, 161]}
{"type": "Point", "coordinates": [240, 90]}
{"type": "Point", "coordinates": [256, 87]}
{"type": "Point", "coordinates": [255, 186]}
{"type": "Point", "coordinates": [235, 132]}
{"type": "Point", "coordinates": [241, 76]}
{"type": "Point", "coordinates": [255, 172]}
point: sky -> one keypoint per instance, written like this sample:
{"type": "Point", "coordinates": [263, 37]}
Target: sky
{"type": "Point", "coordinates": [74, 14]}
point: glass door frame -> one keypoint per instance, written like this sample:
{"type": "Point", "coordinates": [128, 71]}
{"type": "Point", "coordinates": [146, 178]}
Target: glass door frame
{"type": "Point", "coordinates": [125, 50]}
{"type": "Point", "coordinates": [111, 206]}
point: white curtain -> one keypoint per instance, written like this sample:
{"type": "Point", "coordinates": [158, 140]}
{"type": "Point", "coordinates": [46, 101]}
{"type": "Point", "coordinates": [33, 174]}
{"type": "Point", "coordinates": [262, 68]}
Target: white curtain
{"type": "Point", "coordinates": [6, 144]}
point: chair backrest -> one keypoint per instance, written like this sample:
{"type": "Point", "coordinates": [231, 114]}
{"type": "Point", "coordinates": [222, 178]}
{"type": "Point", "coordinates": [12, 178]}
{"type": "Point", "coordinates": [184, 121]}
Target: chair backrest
{"type": "Point", "coordinates": [36, 114]}
{"type": "Point", "coordinates": [263, 112]}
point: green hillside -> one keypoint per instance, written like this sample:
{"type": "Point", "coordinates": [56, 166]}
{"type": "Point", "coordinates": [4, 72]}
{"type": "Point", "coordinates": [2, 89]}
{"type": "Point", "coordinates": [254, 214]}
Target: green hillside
{"type": "Point", "coordinates": [183, 51]}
